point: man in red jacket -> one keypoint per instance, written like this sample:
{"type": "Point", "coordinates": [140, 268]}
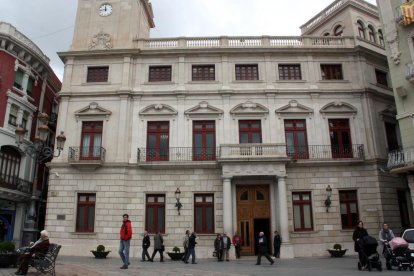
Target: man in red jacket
{"type": "Point", "coordinates": [126, 235]}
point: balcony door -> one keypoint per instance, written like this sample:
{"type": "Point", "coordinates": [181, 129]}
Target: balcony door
{"type": "Point", "coordinates": [296, 139]}
{"type": "Point", "coordinates": [250, 131]}
{"type": "Point", "coordinates": [91, 140]}
{"type": "Point", "coordinates": [158, 147]}
{"type": "Point", "coordinates": [204, 140]}
{"type": "Point", "coordinates": [340, 134]}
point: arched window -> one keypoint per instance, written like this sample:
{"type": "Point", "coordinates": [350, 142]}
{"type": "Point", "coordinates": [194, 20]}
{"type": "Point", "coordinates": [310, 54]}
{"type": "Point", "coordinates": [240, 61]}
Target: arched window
{"type": "Point", "coordinates": [361, 29]}
{"type": "Point", "coordinates": [371, 34]}
{"type": "Point", "coordinates": [381, 38]}
{"type": "Point", "coordinates": [339, 30]}
{"type": "Point", "coordinates": [326, 34]}
{"type": "Point", "coordinates": [9, 165]}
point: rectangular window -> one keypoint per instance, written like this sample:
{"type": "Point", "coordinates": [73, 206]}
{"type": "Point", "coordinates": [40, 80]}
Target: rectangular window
{"type": "Point", "coordinates": [331, 72]}
{"type": "Point", "coordinates": [25, 119]}
{"type": "Point", "coordinates": [302, 211]}
{"type": "Point", "coordinates": [159, 73]}
{"type": "Point", "coordinates": [29, 86]}
{"type": "Point", "coordinates": [158, 148]}
{"type": "Point", "coordinates": [392, 139]}
{"type": "Point", "coordinates": [381, 77]}
{"type": "Point", "coordinates": [97, 74]}
{"type": "Point", "coordinates": [91, 140]}
{"type": "Point", "coordinates": [85, 218]}
{"type": "Point", "coordinates": [204, 140]}
{"type": "Point", "coordinates": [204, 213]}
{"type": "Point", "coordinates": [203, 73]}
{"type": "Point", "coordinates": [247, 72]}
{"type": "Point", "coordinates": [18, 81]}
{"type": "Point", "coordinates": [348, 203]}
{"type": "Point", "coordinates": [155, 213]}
{"type": "Point", "coordinates": [404, 207]}
{"type": "Point", "coordinates": [289, 72]}
{"type": "Point", "coordinates": [296, 139]}
{"type": "Point", "coordinates": [13, 115]}
{"type": "Point", "coordinates": [340, 135]}
{"type": "Point", "coordinates": [250, 131]}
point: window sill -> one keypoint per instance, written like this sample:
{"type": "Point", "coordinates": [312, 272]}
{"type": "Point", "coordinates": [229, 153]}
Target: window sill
{"type": "Point", "coordinates": [337, 81]}
{"type": "Point", "coordinates": [248, 81]}
{"type": "Point", "coordinates": [96, 83]}
{"type": "Point", "coordinates": [159, 83]}
{"type": "Point", "coordinates": [84, 233]}
{"type": "Point", "coordinates": [304, 232]}
{"type": "Point", "coordinates": [290, 81]}
{"type": "Point", "coordinates": [203, 81]}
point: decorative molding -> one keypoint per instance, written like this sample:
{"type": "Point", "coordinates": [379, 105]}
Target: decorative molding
{"type": "Point", "coordinates": [249, 109]}
{"type": "Point", "coordinates": [389, 114]}
{"type": "Point", "coordinates": [393, 42]}
{"type": "Point", "coordinates": [294, 108]}
{"type": "Point", "coordinates": [203, 109]}
{"type": "Point", "coordinates": [158, 110]}
{"type": "Point", "coordinates": [93, 110]}
{"type": "Point", "coordinates": [101, 41]}
{"type": "Point", "coordinates": [338, 108]}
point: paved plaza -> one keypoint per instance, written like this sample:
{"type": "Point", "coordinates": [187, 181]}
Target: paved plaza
{"type": "Point", "coordinates": [318, 266]}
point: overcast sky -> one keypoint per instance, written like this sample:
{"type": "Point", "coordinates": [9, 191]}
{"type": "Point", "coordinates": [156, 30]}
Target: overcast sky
{"type": "Point", "coordinates": [49, 23]}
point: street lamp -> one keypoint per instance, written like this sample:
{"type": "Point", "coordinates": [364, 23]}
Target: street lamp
{"type": "Point", "coordinates": [178, 204]}
{"type": "Point", "coordinates": [39, 151]}
{"type": "Point", "coordinates": [328, 198]}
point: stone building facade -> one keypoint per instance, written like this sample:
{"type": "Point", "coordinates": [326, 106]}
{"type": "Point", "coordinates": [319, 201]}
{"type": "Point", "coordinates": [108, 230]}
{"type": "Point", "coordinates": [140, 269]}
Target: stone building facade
{"type": "Point", "coordinates": [218, 134]}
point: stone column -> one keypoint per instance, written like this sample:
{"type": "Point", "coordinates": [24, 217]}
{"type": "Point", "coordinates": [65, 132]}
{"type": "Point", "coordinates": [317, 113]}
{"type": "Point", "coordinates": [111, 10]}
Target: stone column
{"type": "Point", "coordinates": [227, 206]}
{"type": "Point", "coordinates": [283, 209]}
{"type": "Point", "coordinates": [19, 219]}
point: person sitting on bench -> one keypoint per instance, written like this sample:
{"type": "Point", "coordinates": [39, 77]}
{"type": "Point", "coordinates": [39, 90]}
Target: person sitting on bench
{"type": "Point", "coordinates": [39, 247]}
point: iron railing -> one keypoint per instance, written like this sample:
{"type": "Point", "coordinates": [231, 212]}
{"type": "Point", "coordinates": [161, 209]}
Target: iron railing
{"type": "Point", "coordinates": [16, 183]}
{"type": "Point", "coordinates": [78, 154]}
{"type": "Point", "coordinates": [178, 154]}
{"type": "Point", "coordinates": [400, 158]}
{"type": "Point", "coordinates": [326, 152]}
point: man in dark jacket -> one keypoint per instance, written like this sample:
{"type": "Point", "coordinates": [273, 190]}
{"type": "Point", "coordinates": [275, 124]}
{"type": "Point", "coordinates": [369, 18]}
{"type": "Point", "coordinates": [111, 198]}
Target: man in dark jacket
{"type": "Point", "coordinates": [191, 248]}
{"type": "Point", "coordinates": [262, 249]}
{"type": "Point", "coordinates": [125, 239]}
{"type": "Point", "coordinates": [158, 247]}
{"type": "Point", "coordinates": [146, 242]}
{"type": "Point", "coordinates": [226, 246]}
{"type": "Point", "coordinates": [277, 242]}
{"type": "Point", "coordinates": [39, 247]}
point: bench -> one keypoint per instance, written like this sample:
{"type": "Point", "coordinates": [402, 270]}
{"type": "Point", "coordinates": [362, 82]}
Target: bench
{"type": "Point", "coordinates": [45, 263]}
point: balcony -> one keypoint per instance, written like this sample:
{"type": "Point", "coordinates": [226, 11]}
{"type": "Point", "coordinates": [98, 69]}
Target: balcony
{"type": "Point", "coordinates": [87, 157]}
{"type": "Point", "coordinates": [401, 160]}
{"type": "Point", "coordinates": [326, 152]}
{"type": "Point", "coordinates": [15, 184]}
{"type": "Point", "coordinates": [403, 15]}
{"type": "Point", "coordinates": [253, 152]}
{"type": "Point", "coordinates": [410, 72]}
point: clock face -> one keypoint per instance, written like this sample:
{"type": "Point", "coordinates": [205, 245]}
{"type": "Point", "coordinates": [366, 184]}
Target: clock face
{"type": "Point", "coordinates": [105, 9]}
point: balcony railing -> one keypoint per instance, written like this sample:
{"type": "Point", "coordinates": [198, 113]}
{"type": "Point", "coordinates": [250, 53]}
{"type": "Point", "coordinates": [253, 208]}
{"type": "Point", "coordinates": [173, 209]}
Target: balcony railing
{"type": "Point", "coordinates": [410, 72]}
{"type": "Point", "coordinates": [79, 154]}
{"type": "Point", "coordinates": [178, 154]}
{"type": "Point", "coordinates": [15, 183]}
{"type": "Point", "coordinates": [243, 151]}
{"type": "Point", "coordinates": [400, 158]}
{"type": "Point", "coordinates": [326, 152]}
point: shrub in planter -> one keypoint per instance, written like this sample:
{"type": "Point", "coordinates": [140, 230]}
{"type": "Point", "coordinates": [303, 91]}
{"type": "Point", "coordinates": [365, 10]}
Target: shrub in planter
{"type": "Point", "coordinates": [8, 254]}
{"type": "Point", "coordinates": [337, 251]}
{"type": "Point", "coordinates": [176, 254]}
{"type": "Point", "coordinates": [100, 252]}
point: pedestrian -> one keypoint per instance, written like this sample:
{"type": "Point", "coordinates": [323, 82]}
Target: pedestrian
{"type": "Point", "coordinates": [238, 242]}
{"type": "Point", "coordinates": [146, 242]}
{"type": "Point", "coordinates": [38, 248]}
{"type": "Point", "coordinates": [125, 240]}
{"type": "Point", "coordinates": [158, 246]}
{"type": "Point", "coordinates": [218, 247]}
{"type": "Point", "coordinates": [262, 249]}
{"type": "Point", "coordinates": [385, 236]}
{"type": "Point", "coordinates": [226, 246]}
{"type": "Point", "coordinates": [358, 234]}
{"type": "Point", "coordinates": [277, 241]}
{"type": "Point", "coordinates": [185, 244]}
{"type": "Point", "coordinates": [191, 248]}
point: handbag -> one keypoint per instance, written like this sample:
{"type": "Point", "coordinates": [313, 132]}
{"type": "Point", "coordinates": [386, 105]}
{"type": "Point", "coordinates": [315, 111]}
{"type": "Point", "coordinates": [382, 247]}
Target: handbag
{"type": "Point", "coordinates": [215, 254]}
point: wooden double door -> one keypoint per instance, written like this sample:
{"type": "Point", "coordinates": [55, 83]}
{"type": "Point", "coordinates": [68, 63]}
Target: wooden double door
{"type": "Point", "coordinates": [253, 215]}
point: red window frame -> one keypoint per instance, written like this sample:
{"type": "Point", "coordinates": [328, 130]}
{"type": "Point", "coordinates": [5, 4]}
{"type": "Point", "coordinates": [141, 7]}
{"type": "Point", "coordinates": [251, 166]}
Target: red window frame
{"type": "Point", "coordinates": [204, 129]}
{"type": "Point", "coordinates": [161, 131]}
{"type": "Point", "coordinates": [88, 210]}
{"type": "Point", "coordinates": [156, 210]}
{"type": "Point", "coordinates": [289, 72]}
{"type": "Point", "coordinates": [346, 199]}
{"type": "Point", "coordinates": [97, 74]}
{"type": "Point", "coordinates": [159, 73]}
{"type": "Point", "coordinates": [10, 160]}
{"type": "Point", "coordinates": [381, 38]}
{"type": "Point", "coordinates": [250, 130]}
{"type": "Point", "coordinates": [203, 207]}
{"type": "Point", "coordinates": [203, 73]}
{"type": "Point", "coordinates": [331, 72]}
{"type": "Point", "coordinates": [247, 72]}
{"type": "Point", "coordinates": [340, 133]}
{"type": "Point", "coordinates": [381, 77]}
{"type": "Point", "coordinates": [371, 34]}
{"type": "Point", "coordinates": [361, 30]}
{"type": "Point", "coordinates": [301, 203]}
{"type": "Point", "coordinates": [296, 128]}
{"type": "Point", "coordinates": [93, 129]}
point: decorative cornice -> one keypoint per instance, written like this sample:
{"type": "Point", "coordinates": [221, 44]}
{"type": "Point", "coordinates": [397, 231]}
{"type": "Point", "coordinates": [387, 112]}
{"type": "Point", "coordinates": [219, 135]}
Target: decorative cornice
{"type": "Point", "coordinates": [203, 109]}
{"type": "Point", "coordinates": [294, 108]}
{"type": "Point", "coordinates": [93, 110]}
{"type": "Point", "coordinates": [338, 108]}
{"type": "Point", "coordinates": [158, 110]}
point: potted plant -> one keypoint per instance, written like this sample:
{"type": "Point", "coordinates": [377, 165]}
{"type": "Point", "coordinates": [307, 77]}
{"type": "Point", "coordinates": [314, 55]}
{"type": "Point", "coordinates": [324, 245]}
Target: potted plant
{"type": "Point", "coordinates": [337, 251]}
{"type": "Point", "coordinates": [100, 252]}
{"type": "Point", "coordinates": [8, 254]}
{"type": "Point", "coordinates": [176, 255]}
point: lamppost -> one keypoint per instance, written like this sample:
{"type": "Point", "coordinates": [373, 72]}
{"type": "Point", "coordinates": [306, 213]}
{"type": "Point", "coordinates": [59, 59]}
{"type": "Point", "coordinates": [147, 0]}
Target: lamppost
{"type": "Point", "coordinates": [39, 151]}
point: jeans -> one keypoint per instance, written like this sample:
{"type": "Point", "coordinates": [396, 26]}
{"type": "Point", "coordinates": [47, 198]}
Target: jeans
{"type": "Point", "coordinates": [124, 251]}
{"type": "Point", "coordinates": [145, 253]}
{"type": "Point", "coordinates": [191, 251]}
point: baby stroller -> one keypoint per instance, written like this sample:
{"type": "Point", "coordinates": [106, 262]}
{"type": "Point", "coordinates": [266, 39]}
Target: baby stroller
{"type": "Point", "coordinates": [397, 254]}
{"type": "Point", "coordinates": [368, 247]}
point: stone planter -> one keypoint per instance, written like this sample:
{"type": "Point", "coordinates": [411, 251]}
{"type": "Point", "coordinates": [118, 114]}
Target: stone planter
{"type": "Point", "coordinates": [100, 254]}
{"type": "Point", "coordinates": [175, 256]}
{"type": "Point", "coordinates": [8, 259]}
{"type": "Point", "coordinates": [337, 253]}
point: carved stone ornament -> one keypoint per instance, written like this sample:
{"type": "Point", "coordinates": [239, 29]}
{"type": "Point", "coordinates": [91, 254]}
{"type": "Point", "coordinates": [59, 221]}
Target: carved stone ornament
{"type": "Point", "coordinates": [101, 41]}
{"type": "Point", "coordinates": [393, 42]}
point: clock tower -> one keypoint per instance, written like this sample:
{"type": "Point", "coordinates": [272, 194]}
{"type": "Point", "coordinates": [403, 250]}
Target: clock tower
{"type": "Point", "coordinates": [111, 24]}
